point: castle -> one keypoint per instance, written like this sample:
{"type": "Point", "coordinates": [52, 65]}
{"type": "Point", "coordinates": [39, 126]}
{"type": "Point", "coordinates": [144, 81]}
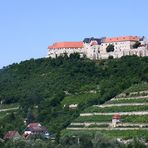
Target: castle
{"type": "Point", "coordinates": [102, 48]}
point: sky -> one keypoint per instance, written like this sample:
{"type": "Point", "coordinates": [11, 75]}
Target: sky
{"type": "Point", "coordinates": [28, 27]}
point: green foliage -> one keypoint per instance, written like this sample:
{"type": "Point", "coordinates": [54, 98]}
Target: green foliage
{"type": "Point", "coordinates": [81, 98]}
{"type": "Point", "coordinates": [12, 121]}
{"type": "Point", "coordinates": [128, 100]}
{"type": "Point", "coordinates": [95, 118]}
{"type": "Point", "coordinates": [137, 44]}
{"type": "Point", "coordinates": [30, 117]}
{"type": "Point", "coordinates": [110, 57]}
{"type": "Point", "coordinates": [110, 48]}
{"type": "Point", "coordinates": [137, 88]}
{"type": "Point", "coordinates": [44, 84]}
{"type": "Point", "coordinates": [5, 113]}
{"type": "Point", "coordinates": [30, 144]}
{"type": "Point", "coordinates": [135, 118]}
{"type": "Point", "coordinates": [87, 140]}
{"type": "Point", "coordinates": [136, 143]}
{"type": "Point", "coordinates": [7, 106]}
{"type": "Point", "coordinates": [116, 109]}
{"type": "Point", "coordinates": [108, 118]}
{"type": "Point", "coordinates": [125, 134]}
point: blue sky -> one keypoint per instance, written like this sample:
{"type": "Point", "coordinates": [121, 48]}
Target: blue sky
{"type": "Point", "coordinates": [27, 27]}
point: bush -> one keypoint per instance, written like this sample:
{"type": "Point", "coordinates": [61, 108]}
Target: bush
{"type": "Point", "coordinates": [110, 48]}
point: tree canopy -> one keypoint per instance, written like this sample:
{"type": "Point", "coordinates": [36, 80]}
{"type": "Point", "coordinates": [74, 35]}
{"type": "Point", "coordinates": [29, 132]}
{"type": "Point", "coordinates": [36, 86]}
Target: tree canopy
{"type": "Point", "coordinates": [110, 48]}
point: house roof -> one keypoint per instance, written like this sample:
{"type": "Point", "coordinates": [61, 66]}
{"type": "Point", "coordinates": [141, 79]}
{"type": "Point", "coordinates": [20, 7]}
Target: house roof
{"type": "Point", "coordinates": [34, 125]}
{"type": "Point", "coordinates": [58, 45]}
{"type": "Point", "coordinates": [10, 134]}
{"type": "Point", "coordinates": [116, 116]}
{"type": "Point", "coordinates": [36, 129]}
{"type": "Point", "coordinates": [121, 39]}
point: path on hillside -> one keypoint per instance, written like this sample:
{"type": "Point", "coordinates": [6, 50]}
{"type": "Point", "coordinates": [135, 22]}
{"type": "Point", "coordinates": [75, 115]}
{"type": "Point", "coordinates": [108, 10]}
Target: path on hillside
{"type": "Point", "coordinates": [107, 129]}
{"type": "Point", "coordinates": [9, 109]}
{"type": "Point", "coordinates": [121, 104]}
{"type": "Point", "coordinates": [136, 97]}
{"type": "Point", "coordinates": [121, 113]}
{"type": "Point", "coordinates": [89, 123]}
{"type": "Point", "coordinates": [109, 123]}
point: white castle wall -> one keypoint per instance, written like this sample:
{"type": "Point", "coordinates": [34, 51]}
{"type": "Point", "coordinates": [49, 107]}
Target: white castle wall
{"type": "Point", "coordinates": [61, 51]}
{"type": "Point", "coordinates": [99, 51]}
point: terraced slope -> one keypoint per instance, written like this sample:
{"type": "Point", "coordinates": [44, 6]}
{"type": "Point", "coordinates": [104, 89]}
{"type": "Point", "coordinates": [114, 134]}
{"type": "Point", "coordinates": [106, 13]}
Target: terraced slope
{"type": "Point", "coordinates": [133, 111]}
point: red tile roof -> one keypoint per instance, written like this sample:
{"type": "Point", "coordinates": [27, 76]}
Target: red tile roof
{"type": "Point", "coordinates": [34, 125]}
{"type": "Point", "coordinates": [37, 129]}
{"type": "Point", "coordinates": [10, 134]}
{"type": "Point", "coordinates": [66, 45]}
{"type": "Point", "coordinates": [116, 116]}
{"type": "Point", "coordinates": [121, 39]}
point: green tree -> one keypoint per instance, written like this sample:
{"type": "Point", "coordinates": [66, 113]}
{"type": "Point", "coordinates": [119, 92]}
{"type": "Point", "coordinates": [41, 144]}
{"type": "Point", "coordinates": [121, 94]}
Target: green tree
{"type": "Point", "coordinates": [137, 44]}
{"type": "Point", "coordinates": [110, 48]}
{"type": "Point", "coordinates": [30, 117]}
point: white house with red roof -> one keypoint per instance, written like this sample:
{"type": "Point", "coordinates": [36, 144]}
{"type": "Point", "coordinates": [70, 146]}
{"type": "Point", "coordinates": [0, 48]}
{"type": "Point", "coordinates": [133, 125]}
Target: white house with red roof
{"type": "Point", "coordinates": [36, 129]}
{"type": "Point", "coordinates": [60, 48]}
{"type": "Point", "coordinates": [116, 118]}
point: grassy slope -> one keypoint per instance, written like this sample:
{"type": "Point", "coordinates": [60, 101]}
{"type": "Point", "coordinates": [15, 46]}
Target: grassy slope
{"type": "Point", "coordinates": [81, 98]}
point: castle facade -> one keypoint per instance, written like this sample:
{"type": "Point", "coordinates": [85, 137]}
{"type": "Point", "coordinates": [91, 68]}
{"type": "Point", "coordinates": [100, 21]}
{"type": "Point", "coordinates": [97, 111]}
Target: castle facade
{"type": "Point", "coordinates": [102, 48]}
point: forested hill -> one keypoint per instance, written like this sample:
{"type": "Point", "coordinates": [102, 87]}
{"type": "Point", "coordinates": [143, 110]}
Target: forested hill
{"type": "Point", "coordinates": [47, 82]}
{"type": "Point", "coordinates": [47, 77]}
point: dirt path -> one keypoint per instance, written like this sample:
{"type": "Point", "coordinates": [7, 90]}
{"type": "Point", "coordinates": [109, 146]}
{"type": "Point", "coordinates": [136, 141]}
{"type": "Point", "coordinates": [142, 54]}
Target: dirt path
{"type": "Point", "coordinates": [9, 109]}
{"type": "Point", "coordinates": [121, 104]}
{"type": "Point", "coordinates": [121, 113]}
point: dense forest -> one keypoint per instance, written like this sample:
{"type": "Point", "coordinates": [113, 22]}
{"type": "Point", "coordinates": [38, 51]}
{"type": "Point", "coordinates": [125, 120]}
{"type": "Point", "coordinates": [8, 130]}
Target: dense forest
{"type": "Point", "coordinates": [40, 86]}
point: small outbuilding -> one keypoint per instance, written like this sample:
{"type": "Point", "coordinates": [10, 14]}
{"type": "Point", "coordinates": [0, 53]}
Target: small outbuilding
{"type": "Point", "coordinates": [116, 118]}
{"type": "Point", "coordinates": [14, 135]}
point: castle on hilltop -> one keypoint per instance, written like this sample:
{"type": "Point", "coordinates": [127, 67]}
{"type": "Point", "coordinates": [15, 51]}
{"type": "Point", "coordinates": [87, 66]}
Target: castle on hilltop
{"type": "Point", "coordinates": [102, 48]}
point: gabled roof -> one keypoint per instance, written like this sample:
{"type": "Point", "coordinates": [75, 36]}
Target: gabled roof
{"type": "Point", "coordinates": [116, 116]}
{"type": "Point", "coordinates": [10, 134]}
{"type": "Point", "coordinates": [36, 129]}
{"type": "Point", "coordinates": [66, 45]}
{"type": "Point", "coordinates": [34, 125]}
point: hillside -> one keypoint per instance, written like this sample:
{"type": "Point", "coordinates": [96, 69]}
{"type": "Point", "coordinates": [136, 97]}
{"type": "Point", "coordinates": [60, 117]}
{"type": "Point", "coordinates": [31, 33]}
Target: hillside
{"type": "Point", "coordinates": [130, 108]}
{"type": "Point", "coordinates": [41, 88]}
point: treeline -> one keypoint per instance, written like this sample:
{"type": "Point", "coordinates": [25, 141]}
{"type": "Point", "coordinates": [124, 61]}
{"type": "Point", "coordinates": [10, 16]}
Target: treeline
{"type": "Point", "coordinates": [97, 140]}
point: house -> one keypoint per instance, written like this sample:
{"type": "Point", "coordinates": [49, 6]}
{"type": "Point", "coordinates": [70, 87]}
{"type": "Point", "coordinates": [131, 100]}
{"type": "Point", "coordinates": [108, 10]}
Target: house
{"type": "Point", "coordinates": [36, 129]}
{"type": "Point", "coordinates": [33, 125]}
{"type": "Point", "coordinates": [116, 119]}
{"type": "Point", "coordinates": [14, 135]}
